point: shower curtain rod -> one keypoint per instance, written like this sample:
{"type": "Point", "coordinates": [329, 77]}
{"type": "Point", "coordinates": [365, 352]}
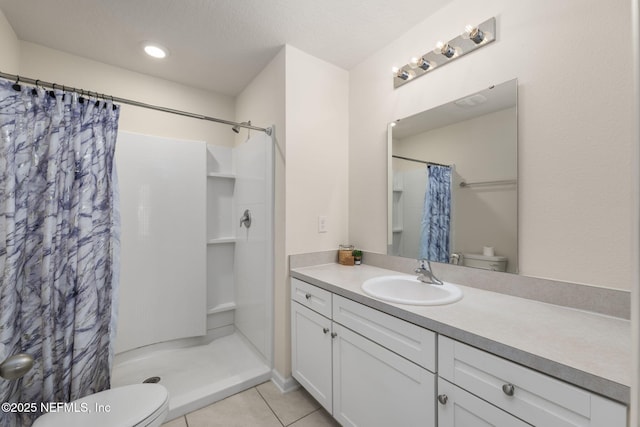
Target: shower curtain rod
{"type": "Point", "coordinates": [40, 83]}
{"type": "Point", "coordinates": [419, 161]}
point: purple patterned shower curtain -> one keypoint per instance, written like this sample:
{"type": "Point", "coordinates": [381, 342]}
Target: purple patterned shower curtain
{"type": "Point", "coordinates": [436, 216]}
{"type": "Point", "coordinates": [59, 243]}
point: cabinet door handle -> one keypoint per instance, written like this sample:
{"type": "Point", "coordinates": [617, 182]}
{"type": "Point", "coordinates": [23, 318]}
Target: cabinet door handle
{"type": "Point", "coordinates": [334, 334]}
{"type": "Point", "coordinates": [307, 296]}
{"type": "Point", "coordinates": [509, 389]}
{"type": "Point", "coordinates": [325, 330]}
{"type": "Point", "coordinates": [442, 398]}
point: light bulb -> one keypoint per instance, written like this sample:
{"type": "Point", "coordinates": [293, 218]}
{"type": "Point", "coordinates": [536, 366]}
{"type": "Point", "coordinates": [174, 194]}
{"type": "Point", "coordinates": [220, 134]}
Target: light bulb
{"type": "Point", "coordinates": [444, 49]}
{"type": "Point", "coordinates": [401, 74]}
{"type": "Point", "coordinates": [423, 64]}
{"type": "Point", "coordinates": [155, 51]}
{"type": "Point", "coordinates": [474, 34]}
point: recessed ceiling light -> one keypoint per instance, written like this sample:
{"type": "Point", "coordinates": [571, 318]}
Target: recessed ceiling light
{"type": "Point", "coordinates": [155, 51]}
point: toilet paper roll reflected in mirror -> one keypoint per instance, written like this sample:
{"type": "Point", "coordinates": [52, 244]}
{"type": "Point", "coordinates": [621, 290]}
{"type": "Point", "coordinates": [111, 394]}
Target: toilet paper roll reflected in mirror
{"type": "Point", "coordinates": [488, 251]}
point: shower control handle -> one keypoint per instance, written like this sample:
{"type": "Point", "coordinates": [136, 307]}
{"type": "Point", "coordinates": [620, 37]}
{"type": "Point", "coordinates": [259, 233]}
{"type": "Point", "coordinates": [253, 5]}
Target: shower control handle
{"type": "Point", "coordinates": [246, 218]}
{"type": "Point", "coordinates": [325, 330]}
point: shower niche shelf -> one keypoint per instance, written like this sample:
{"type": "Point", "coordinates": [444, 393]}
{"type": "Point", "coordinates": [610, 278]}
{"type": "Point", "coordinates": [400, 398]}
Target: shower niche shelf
{"type": "Point", "coordinates": [221, 223]}
{"type": "Point", "coordinates": [221, 175]}
{"type": "Point", "coordinates": [221, 240]}
{"type": "Point", "coordinates": [220, 308]}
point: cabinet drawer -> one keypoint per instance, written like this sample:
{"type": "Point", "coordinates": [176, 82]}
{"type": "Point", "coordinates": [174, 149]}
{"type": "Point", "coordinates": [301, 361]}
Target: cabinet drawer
{"type": "Point", "coordinates": [532, 396]}
{"type": "Point", "coordinates": [311, 296]}
{"type": "Point", "coordinates": [458, 408]}
{"type": "Point", "coordinates": [406, 339]}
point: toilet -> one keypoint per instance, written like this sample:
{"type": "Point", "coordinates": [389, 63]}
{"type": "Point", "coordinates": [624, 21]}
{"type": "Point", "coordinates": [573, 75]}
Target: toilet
{"type": "Point", "coordinates": [137, 405]}
{"type": "Point", "coordinates": [494, 263]}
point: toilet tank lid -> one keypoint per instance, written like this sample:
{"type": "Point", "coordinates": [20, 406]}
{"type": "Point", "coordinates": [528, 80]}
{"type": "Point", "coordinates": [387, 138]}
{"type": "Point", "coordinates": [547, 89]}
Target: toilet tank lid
{"type": "Point", "coordinates": [481, 257]}
{"type": "Point", "coordinates": [120, 406]}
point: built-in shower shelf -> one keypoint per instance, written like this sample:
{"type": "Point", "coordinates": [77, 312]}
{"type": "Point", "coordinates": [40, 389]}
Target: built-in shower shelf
{"type": "Point", "coordinates": [221, 241]}
{"type": "Point", "coordinates": [228, 306]}
{"type": "Point", "coordinates": [397, 229]}
{"type": "Point", "coordinates": [221, 175]}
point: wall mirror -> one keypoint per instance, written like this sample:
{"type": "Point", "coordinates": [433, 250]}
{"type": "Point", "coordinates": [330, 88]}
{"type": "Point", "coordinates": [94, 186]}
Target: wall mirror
{"type": "Point", "coordinates": [453, 182]}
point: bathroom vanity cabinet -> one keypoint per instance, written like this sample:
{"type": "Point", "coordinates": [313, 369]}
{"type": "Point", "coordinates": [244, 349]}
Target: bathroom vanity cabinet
{"type": "Point", "coordinates": [524, 393]}
{"type": "Point", "coordinates": [368, 368]}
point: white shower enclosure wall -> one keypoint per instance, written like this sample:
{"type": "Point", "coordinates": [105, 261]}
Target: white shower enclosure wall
{"type": "Point", "coordinates": [196, 286]}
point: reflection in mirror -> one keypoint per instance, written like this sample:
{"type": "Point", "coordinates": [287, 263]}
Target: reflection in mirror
{"type": "Point", "coordinates": [453, 182]}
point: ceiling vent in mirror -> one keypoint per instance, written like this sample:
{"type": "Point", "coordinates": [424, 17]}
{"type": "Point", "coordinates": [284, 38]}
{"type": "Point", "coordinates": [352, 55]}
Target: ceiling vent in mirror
{"type": "Point", "coordinates": [471, 101]}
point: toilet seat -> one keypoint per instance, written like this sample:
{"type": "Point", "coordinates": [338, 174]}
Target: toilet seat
{"type": "Point", "coordinates": [137, 405]}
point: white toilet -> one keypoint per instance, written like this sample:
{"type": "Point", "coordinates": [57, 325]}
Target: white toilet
{"type": "Point", "coordinates": [137, 405]}
{"type": "Point", "coordinates": [494, 263]}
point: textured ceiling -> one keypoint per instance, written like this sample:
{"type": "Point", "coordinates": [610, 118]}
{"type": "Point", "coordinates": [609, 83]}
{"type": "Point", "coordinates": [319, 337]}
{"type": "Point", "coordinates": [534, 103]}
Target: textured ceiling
{"type": "Point", "coordinates": [220, 45]}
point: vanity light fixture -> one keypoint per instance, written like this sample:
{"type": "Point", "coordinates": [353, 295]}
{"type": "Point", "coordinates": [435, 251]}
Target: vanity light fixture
{"type": "Point", "coordinates": [474, 37]}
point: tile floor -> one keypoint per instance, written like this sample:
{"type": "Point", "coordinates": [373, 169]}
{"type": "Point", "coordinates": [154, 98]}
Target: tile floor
{"type": "Point", "coordinates": [260, 406]}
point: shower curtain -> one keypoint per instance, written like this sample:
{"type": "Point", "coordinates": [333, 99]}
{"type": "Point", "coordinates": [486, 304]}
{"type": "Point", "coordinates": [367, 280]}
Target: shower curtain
{"type": "Point", "coordinates": [436, 215]}
{"type": "Point", "coordinates": [59, 241]}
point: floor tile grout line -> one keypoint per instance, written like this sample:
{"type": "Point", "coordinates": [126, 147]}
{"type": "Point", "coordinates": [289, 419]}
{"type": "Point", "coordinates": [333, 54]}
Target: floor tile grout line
{"type": "Point", "coordinates": [186, 421]}
{"type": "Point", "coordinates": [304, 416]}
{"type": "Point", "coordinates": [269, 406]}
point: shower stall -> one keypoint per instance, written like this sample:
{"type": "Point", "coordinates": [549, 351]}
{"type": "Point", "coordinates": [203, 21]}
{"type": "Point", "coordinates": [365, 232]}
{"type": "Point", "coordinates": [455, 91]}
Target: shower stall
{"type": "Point", "coordinates": [196, 287]}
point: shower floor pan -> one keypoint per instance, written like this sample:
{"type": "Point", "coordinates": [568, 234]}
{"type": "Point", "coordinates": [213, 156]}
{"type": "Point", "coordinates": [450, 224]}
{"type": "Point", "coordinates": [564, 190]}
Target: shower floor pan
{"type": "Point", "coordinates": [197, 376]}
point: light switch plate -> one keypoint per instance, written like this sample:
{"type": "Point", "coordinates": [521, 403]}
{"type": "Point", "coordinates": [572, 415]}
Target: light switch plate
{"type": "Point", "coordinates": [322, 224]}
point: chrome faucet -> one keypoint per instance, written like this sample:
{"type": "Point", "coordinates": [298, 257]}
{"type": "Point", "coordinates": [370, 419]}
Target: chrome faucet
{"type": "Point", "coordinates": [426, 275]}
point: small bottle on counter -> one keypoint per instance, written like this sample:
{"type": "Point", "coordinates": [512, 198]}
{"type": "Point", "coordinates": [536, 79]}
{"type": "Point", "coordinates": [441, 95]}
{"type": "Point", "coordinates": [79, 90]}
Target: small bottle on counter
{"type": "Point", "coordinates": [357, 256]}
{"type": "Point", "coordinates": [345, 255]}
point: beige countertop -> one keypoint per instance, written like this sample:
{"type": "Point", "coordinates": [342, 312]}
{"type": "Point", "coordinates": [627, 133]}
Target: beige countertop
{"type": "Point", "coordinates": [586, 349]}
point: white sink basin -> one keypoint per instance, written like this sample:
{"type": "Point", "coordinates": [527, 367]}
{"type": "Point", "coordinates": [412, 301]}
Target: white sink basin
{"type": "Point", "coordinates": [410, 290]}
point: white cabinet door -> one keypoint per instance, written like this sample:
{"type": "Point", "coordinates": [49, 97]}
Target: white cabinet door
{"type": "Point", "coordinates": [373, 386]}
{"type": "Point", "coordinates": [458, 408]}
{"type": "Point", "coordinates": [311, 352]}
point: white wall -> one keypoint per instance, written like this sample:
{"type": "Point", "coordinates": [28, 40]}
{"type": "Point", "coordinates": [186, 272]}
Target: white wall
{"type": "Point", "coordinates": [51, 65]}
{"type": "Point", "coordinates": [253, 253]}
{"type": "Point", "coordinates": [317, 152]}
{"type": "Point", "coordinates": [635, 290]}
{"type": "Point", "coordinates": [575, 128]}
{"type": "Point", "coordinates": [9, 46]}
{"type": "Point", "coordinates": [307, 100]}
{"type": "Point", "coordinates": [163, 275]}
{"type": "Point", "coordinates": [317, 126]}
{"type": "Point", "coordinates": [263, 102]}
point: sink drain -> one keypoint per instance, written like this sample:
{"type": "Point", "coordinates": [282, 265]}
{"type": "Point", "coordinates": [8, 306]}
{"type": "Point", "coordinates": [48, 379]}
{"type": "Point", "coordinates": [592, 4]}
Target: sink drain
{"type": "Point", "coordinates": [151, 380]}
